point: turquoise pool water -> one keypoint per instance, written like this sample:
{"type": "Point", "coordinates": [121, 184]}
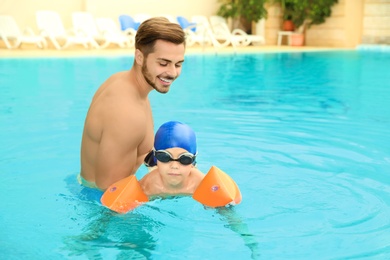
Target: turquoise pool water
{"type": "Point", "coordinates": [304, 135]}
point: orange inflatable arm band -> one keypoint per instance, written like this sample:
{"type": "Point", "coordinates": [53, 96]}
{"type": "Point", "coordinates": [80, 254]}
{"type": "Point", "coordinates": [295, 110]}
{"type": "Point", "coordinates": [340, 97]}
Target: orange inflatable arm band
{"type": "Point", "coordinates": [217, 189]}
{"type": "Point", "coordinates": [124, 195]}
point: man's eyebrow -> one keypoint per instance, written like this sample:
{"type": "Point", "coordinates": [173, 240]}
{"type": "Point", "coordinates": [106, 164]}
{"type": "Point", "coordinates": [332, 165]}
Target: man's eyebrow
{"type": "Point", "coordinates": [169, 61]}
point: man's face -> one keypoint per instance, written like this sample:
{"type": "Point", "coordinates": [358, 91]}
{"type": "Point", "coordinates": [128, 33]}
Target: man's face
{"type": "Point", "coordinates": [163, 66]}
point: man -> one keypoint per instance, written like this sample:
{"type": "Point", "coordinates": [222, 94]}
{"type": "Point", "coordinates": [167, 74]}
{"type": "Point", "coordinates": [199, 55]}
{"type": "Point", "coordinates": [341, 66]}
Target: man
{"type": "Point", "coordinates": [118, 129]}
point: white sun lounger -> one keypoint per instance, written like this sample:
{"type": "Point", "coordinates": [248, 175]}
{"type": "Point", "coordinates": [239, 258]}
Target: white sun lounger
{"type": "Point", "coordinates": [13, 37]}
{"type": "Point", "coordinates": [50, 26]}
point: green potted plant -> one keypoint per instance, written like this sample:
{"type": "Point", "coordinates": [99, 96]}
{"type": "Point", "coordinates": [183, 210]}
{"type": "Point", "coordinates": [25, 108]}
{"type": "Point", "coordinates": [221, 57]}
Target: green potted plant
{"type": "Point", "coordinates": [245, 12]}
{"type": "Point", "coordinates": [304, 13]}
{"type": "Point", "coordinates": [287, 9]}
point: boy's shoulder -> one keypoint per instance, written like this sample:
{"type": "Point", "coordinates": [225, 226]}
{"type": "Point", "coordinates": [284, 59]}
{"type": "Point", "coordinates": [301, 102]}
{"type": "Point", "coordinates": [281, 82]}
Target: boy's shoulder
{"type": "Point", "coordinates": [150, 180]}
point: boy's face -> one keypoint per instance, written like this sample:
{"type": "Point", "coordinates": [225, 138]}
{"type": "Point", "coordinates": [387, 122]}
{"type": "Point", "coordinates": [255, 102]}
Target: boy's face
{"type": "Point", "coordinates": [173, 173]}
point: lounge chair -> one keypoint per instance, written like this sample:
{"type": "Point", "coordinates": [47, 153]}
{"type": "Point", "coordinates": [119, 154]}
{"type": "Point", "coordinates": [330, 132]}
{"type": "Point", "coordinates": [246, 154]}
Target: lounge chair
{"type": "Point", "coordinates": [128, 26]}
{"type": "Point", "coordinates": [84, 23]}
{"type": "Point", "coordinates": [190, 31]}
{"type": "Point", "coordinates": [13, 37]}
{"type": "Point", "coordinates": [197, 31]}
{"type": "Point", "coordinates": [113, 34]}
{"type": "Point", "coordinates": [238, 37]}
{"type": "Point", "coordinates": [204, 30]}
{"type": "Point", "coordinates": [185, 24]}
{"type": "Point", "coordinates": [50, 25]}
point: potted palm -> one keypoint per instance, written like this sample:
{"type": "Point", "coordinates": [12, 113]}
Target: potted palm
{"type": "Point", "coordinates": [304, 13]}
{"type": "Point", "coordinates": [244, 12]}
{"type": "Point", "coordinates": [287, 9]}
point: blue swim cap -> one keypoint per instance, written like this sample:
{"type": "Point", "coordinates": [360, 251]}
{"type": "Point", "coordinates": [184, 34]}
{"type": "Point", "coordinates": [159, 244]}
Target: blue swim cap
{"type": "Point", "coordinates": [175, 134]}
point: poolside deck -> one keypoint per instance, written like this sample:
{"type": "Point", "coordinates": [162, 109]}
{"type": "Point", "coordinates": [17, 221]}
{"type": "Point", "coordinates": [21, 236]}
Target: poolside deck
{"type": "Point", "coordinates": [33, 52]}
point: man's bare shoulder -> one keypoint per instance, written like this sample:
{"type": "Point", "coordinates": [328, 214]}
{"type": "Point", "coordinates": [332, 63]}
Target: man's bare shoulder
{"type": "Point", "coordinates": [117, 107]}
{"type": "Point", "coordinates": [120, 80]}
{"type": "Point", "coordinates": [117, 91]}
{"type": "Point", "coordinates": [122, 75]}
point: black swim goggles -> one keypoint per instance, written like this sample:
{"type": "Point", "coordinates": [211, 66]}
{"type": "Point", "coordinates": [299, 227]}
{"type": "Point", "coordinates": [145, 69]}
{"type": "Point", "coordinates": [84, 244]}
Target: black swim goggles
{"type": "Point", "coordinates": [164, 157]}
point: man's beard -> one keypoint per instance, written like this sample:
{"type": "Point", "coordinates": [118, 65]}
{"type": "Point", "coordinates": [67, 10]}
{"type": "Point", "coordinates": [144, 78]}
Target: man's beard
{"type": "Point", "coordinates": [148, 78]}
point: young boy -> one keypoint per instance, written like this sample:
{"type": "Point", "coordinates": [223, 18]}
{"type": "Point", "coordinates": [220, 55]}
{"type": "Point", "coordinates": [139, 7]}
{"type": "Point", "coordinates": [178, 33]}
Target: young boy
{"type": "Point", "coordinates": [173, 173]}
{"type": "Point", "coordinates": [174, 155]}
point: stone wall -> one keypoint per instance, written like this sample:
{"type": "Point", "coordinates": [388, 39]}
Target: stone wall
{"type": "Point", "coordinates": [376, 22]}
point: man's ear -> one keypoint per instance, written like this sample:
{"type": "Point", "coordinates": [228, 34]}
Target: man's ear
{"type": "Point", "coordinates": [139, 57]}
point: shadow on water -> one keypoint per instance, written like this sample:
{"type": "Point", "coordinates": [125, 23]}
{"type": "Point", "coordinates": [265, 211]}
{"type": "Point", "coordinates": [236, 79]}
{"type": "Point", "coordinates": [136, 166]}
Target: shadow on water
{"type": "Point", "coordinates": [125, 236]}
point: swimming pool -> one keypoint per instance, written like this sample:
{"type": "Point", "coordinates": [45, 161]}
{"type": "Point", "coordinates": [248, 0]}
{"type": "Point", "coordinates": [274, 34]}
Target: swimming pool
{"type": "Point", "coordinates": [304, 135]}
